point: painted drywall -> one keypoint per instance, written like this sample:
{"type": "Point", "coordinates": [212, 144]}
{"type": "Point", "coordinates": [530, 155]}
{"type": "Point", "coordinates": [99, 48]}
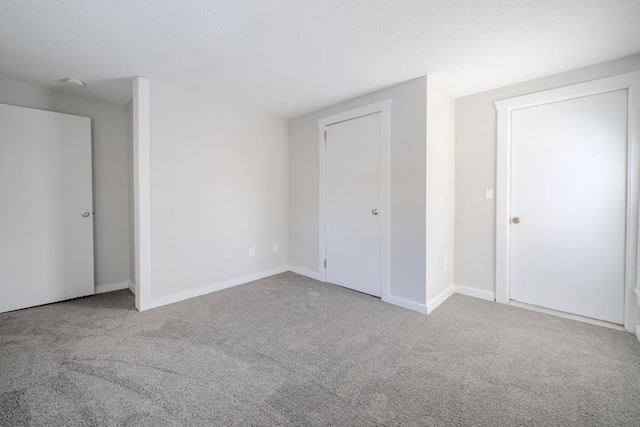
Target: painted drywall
{"type": "Point", "coordinates": [110, 191]}
{"type": "Point", "coordinates": [440, 189]}
{"type": "Point", "coordinates": [475, 168]}
{"type": "Point", "coordinates": [132, 249]}
{"type": "Point", "coordinates": [408, 186]}
{"type": "Point", "coordinates": [219, 185]}
{"type": "Point", "coordinates": [15, 92]}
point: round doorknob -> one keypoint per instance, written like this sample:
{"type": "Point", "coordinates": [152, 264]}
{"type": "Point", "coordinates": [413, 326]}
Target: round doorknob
{"type": "Point", "coordinates": [375, 211]}
{"type": "Point", "coordinates": [85, 214]}
{"type": "Point", "coordinates": [515, 220]}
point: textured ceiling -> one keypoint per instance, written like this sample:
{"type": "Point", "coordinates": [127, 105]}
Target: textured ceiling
{"type": "Point", "coordinates": [288, 58]}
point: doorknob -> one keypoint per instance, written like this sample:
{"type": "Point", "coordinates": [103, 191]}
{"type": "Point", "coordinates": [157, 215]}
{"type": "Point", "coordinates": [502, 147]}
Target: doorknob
{"type": "Point", "coordinates": [85, 214]}
{"type": "Point", "coordinates": [375, 211]}
{"type": "Point", "coordinates": [515, 220]}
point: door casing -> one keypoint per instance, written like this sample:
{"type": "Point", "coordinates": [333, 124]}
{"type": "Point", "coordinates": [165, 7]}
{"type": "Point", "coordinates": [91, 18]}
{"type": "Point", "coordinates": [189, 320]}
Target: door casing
{"type": "Point", "coordinates": [628, 81]}
{"type": "Point", "coordinates": [384, 108]}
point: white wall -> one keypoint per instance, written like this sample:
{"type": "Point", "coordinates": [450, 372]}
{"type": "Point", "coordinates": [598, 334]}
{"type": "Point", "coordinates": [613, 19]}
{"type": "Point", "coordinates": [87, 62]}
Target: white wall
{"type": "Point", "coordinates": [440, 188]}
{"type": "Point", "coordinates": [475, 168]}
{"type": "Point", "coordinates": [110, 192]}
{"type": "Point", "coordinates": [408, 186]}
{"type": "Point", "coordinates": [219, 184]}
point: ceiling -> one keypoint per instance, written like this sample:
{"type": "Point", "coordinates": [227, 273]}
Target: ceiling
{"type": "Point", "coordinates": [290, 57]}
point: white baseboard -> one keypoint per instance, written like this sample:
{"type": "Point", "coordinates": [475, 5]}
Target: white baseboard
{"type": "Point", "coordinates": [564, 315]}
{"type": "Point", "coordinates": [400, 302]}
{"type": "Point", "coordinates": [476, 293]}
{"type": "Point", "coordinates": [463, 290]}
{"type": "Point", "coordinates": [442, 297]}
{"type": "Point", "coordinates": [207, 289]}
{"type": "Point", "coordinates": [304, 272]}
{"type": "Point", "coordinates": [132, 287]}
{"type": "Point", "coordinates": [390, 299]}
{"type": "Point", "coordinates": [638, 332]}
{"type": "Point", "coordinates": [100, 289]}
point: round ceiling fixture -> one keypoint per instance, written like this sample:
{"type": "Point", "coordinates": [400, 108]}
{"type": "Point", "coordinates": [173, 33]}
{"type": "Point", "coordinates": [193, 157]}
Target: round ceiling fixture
{"type": "Point", "coordinates": [73, 82]}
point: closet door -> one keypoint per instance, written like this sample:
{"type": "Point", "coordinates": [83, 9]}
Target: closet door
{"type": "Point", "coordinates": [353, 232]}
{"type": "Point", "coordinates": [46, 207]}
{"type": "Point", "coordinates": [569, 205]}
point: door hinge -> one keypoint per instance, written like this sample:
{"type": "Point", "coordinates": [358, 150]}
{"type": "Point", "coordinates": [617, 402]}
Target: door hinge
{"type": "Point", "coordinates": [325, 139]}
{"type": "Point", "coordinates": [325, 263]}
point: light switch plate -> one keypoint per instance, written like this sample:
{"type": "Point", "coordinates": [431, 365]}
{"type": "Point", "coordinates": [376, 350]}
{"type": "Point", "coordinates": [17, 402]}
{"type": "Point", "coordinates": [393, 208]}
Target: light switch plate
{"type": "Point", "coordinates": [488, 193]}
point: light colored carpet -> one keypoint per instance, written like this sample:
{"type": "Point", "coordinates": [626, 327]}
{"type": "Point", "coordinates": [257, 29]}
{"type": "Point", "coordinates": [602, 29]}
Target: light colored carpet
{"type": "Point", "coordinates": [288, 350]}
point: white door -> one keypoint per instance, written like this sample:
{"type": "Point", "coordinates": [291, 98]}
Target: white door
{"type": "Point", "coordinates": [568, 205]}
{"type": "Point", "coordinates": [353, 232]}
{"type": "Point", "coordinates": [46, 218]}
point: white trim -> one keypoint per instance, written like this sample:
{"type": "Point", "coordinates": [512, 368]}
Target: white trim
{"type": "Point", "coordinates": [207, 289]}
{"type": "Point", "coordinates": [629, 81]}
{"type": "Point", "coordinates": [442, 297]}
{"type": "Point", "coordinates": [389, 299]}
{"type": "Point", "coordinates": [304, 272]}
{"type": "Point", "coordinates": [475, 293]}
{"type": "Point", "coordinates": [564, 315]}
{"type": "Point", "coordinates": [142, 190]}
{"type": "Point", "coordinates": [400, 302]}
{"type": "Point", "coordinates": [100, 289]}
{"type": "Point", "coordinates": [638, 332]}
{"type": "Point", "coordinates": [132, 287]}
{"type": "Point", "coordinates": [384, 108]}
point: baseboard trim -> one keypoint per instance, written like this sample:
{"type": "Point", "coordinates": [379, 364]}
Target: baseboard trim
{"type": "Point", "coordinates": [401, 302]}
{"type": "Point", "coordinates": [442, 297]}
{"type": "Point", "coordinates": [132, 287]}
{"type": "Point", "coordinates": [638, 332]}
{"type": "Point", "coordinates": [476, 293]}
{"type": "Point", "coordinates": [101, 289]}
{"type": "Point", "coordinates": [207, 289]}
{"type": "Point", "coordinates": [304, 272]}
{"type": "Point", "coordinates": [564, 315]}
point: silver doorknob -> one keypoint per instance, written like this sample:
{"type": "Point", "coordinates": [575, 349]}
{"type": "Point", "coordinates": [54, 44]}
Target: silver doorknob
{"type": "Point", "coordinates": [375, 211]}
{"type": "Point", "coordinates": [86, 214]}
{"type": "Point", "coordinates": [515, 220]}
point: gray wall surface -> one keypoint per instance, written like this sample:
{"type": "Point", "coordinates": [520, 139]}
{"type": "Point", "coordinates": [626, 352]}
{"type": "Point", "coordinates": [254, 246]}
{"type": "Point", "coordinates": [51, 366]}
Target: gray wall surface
{"type": "Point", "coordinates": [219, 185]}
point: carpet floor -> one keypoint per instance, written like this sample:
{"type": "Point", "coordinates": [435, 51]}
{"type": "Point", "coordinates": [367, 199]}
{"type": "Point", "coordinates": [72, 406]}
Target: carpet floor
{"type": "Point", "coordinates": [291, 351]}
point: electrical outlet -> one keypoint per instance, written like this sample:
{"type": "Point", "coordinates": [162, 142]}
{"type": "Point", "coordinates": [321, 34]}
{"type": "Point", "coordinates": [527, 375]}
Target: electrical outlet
{"type": "Point", "coordinates": [275, 247]}
{"type": "Point", "coordinates": [252, 251]}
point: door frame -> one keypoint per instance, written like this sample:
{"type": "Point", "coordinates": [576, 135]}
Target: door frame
{"type": "Point", "coordinates": [629, 81]}
{"type": "Point", "coordinates": [384, 108]}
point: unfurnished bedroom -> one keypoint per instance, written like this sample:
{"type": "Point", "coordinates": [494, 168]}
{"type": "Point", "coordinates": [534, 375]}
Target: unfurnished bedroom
{"type": "Point", "coordinates": [319, 213]}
